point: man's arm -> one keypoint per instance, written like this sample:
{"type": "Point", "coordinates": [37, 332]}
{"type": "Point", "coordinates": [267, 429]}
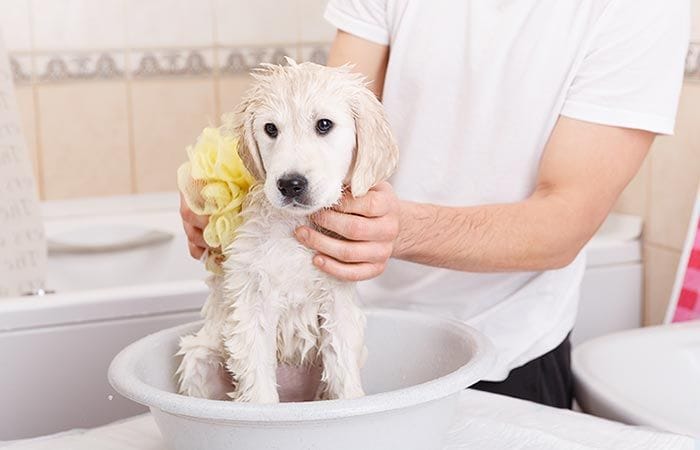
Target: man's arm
{"type": "Point", "coordinates": [583, 170]}
{"type": "Point", "coordinates": [367, 58]}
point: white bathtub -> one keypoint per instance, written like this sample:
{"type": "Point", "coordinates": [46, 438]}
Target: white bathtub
{"type": "Point", "coordinates": [55, 350]}
{"type": "Point", "coordinates": [115, 242]}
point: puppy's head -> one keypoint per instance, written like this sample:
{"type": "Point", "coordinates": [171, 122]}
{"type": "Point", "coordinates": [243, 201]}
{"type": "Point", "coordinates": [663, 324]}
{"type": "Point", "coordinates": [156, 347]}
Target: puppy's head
{"type": "Point", "coordinates": [307, 131]}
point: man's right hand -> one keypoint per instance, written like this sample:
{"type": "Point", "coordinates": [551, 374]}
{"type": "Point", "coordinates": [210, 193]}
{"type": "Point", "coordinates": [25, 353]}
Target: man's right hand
{"type": "Point", "coordinates": [194, 228]}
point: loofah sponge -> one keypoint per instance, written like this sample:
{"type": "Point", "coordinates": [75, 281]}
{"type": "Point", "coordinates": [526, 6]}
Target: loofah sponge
{"type": "Point", "coordinates": [214, 182]}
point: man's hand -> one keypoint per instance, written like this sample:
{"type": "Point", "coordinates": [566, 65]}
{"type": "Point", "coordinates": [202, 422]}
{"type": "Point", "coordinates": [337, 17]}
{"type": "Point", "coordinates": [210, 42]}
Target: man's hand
{"type": "Point", "coordinates": [369, 223]}
{"type": "Point", "coordinates": [194, 228]}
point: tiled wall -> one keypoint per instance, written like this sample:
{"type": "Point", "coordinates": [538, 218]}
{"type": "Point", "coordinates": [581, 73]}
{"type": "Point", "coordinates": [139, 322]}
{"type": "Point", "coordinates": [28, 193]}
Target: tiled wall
{"type": "Point", "coordinates": [663, 193]}
{"type": "Point", "coordinates": [664, 190]}
{"type": "Point", "coordinates": [112, 91]}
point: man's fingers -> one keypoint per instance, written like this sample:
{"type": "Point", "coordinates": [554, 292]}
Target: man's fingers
{"type": "Point", "coordinates": [348, 272]}
{"type": "Point", "coordinates": [356, 228]}
{"type": "Point", "coordinates": [373, 204]}
{"type": "Point", "coordinates": [194, 219]}
{"type": "Point", "coordinates": [190, 217]}
{"type": "Point", "coordinates": [193, 225]}
{"type": "Point", "coordinates": [195, 251]}
{"type": "Point", "coordinates": [345, 251]}
{"type": "Point", "coordinates": [195, 235]}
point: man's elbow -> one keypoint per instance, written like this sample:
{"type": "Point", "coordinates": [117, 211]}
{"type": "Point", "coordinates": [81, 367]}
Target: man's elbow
{"type": "Point", "coordinates": [561, 260]}
{"type": "Point", "coordinates": [574, 224]}
{"type": "Point", "coordinates": [561, 254]}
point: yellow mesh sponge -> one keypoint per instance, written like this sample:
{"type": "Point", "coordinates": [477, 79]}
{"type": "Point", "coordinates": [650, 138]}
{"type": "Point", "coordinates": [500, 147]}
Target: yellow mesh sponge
{"type": "Point", "coordinates": [214, 183]}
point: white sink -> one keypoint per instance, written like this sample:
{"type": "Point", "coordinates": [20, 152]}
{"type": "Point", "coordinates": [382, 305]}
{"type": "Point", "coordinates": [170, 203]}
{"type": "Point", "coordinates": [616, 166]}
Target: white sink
{"type": "Point", "coordinates": [647, 376]}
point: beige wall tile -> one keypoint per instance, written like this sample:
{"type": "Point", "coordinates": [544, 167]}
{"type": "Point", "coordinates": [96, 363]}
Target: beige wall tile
{"type": "Point", "coordinates": [695, 25]}
{"type": "Point", "coordinates": [231, 90]}
{"type": "Point", "coordinates": [168, 115]}
{"type": "Point", "coordinates": [675, 172]}
{"type": "Point", "coordinates": [313, 27]}
{"type": "Point", "coordinates": [79, 24]}
{"type": "Point", "coordinates": [169, 23]}
{"type": "Point", "coordinates": [83, 129]}
{"type": "Point", "coordinates": [635, 198]}
{"type": "Point", "coordinates": [246, 22]}
{"type": "Point", "coordinates": [15, 25]}
{"type": "Point", "coordinates": [25, 103]}
{"type": "Point", "coordinates": [659, 275]}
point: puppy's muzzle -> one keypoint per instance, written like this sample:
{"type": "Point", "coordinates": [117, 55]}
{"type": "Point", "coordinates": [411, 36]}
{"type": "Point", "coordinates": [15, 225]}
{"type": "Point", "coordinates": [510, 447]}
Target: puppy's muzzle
{"type": "Point", "coordinates": [293, 186]}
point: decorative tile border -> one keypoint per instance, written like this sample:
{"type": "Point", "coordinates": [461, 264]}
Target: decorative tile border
{"type": "Point", "coordinates": [53, 68]}
{"type": "Point", "coordinates": [240, 61]}
{"type": "Point", "coordinates": [145, 64]}
{"type": "Point", "coordinates": [170, 63]}
{"type": "Point", "coordinates": [157, 63]}
{"type": "Point", "coordinates": [21, 67]}
{"type": "Point", "coordinates": [692, 62]}
{"type": "Point", "coordinates": [315, 53]}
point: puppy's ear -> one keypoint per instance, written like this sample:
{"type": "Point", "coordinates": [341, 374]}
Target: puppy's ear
{"type": "Point", "coordinates": [240, 124]}
{"type": "Point", "coordinates": [376, 152]}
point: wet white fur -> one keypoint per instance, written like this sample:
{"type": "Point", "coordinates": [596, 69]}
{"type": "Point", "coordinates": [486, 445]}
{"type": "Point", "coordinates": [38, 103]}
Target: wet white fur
{"type": "Point", "coordinates": [272, 306]}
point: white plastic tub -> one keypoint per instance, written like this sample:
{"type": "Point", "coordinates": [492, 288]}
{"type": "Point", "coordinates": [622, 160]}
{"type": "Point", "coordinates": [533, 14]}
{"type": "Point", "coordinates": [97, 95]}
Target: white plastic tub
{"type": "Point", "coordinates": [416, 369]}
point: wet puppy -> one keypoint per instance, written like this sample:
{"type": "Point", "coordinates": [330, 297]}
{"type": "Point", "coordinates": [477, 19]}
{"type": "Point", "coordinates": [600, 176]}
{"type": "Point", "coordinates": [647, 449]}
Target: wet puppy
{"type": "Point", "coordinates": [306, 132]}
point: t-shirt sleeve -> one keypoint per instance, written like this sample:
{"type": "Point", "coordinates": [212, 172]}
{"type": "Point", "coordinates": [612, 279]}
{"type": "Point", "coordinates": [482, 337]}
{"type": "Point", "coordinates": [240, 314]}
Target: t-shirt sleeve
{"type": "Point", "coordinates": [632, 73]}
{"type": "Point", "coordinates": [366, 19]}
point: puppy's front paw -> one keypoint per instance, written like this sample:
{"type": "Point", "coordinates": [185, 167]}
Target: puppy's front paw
{"type": "Point", "coordinates": [339, 393]}
{"type": "Point", "coordinates": [347, 393]}
{"type": "Point", "coordinates": [201, 372]}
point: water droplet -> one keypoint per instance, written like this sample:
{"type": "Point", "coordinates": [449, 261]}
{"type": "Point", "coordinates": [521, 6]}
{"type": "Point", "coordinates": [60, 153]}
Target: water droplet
{"type": "Point", "coordinates": [110, 397]}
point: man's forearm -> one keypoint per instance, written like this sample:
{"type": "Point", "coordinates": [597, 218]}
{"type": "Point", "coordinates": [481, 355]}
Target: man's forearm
{"type": "Point", "coordinates": [575, 190]}
{"type": "Point", "coordinates": [539, 233]}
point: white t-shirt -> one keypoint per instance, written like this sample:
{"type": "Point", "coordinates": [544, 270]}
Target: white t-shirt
{"type": "Point", "coordinates": [473, 90]}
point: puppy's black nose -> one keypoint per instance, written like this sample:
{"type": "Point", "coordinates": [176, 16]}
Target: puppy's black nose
{"type": "Point", "coordinates": [292, 186]}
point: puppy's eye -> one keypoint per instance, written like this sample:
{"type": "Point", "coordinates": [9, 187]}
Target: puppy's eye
{"type": "Point", "coordinates": [271, 130]}
{"type": "Point", "coordinates": [323, 126]}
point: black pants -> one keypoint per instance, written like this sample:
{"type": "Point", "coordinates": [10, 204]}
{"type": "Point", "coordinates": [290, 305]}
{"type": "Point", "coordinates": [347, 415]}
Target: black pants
{"type": "Point", "coordinates": [547, 380]}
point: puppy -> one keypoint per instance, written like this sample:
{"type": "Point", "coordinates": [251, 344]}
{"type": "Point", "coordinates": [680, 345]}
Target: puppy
{"type": "Point", "coordinates": [306, 132]}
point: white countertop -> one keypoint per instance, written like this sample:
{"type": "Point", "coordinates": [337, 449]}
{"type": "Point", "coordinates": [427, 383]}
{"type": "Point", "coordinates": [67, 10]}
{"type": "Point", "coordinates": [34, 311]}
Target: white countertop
{"type": "Point", "coordinates": [485, 421]}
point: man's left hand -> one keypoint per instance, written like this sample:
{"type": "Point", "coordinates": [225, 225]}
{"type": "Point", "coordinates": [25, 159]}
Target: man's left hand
{"type": "Point", "coordinates": [370, 225]}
